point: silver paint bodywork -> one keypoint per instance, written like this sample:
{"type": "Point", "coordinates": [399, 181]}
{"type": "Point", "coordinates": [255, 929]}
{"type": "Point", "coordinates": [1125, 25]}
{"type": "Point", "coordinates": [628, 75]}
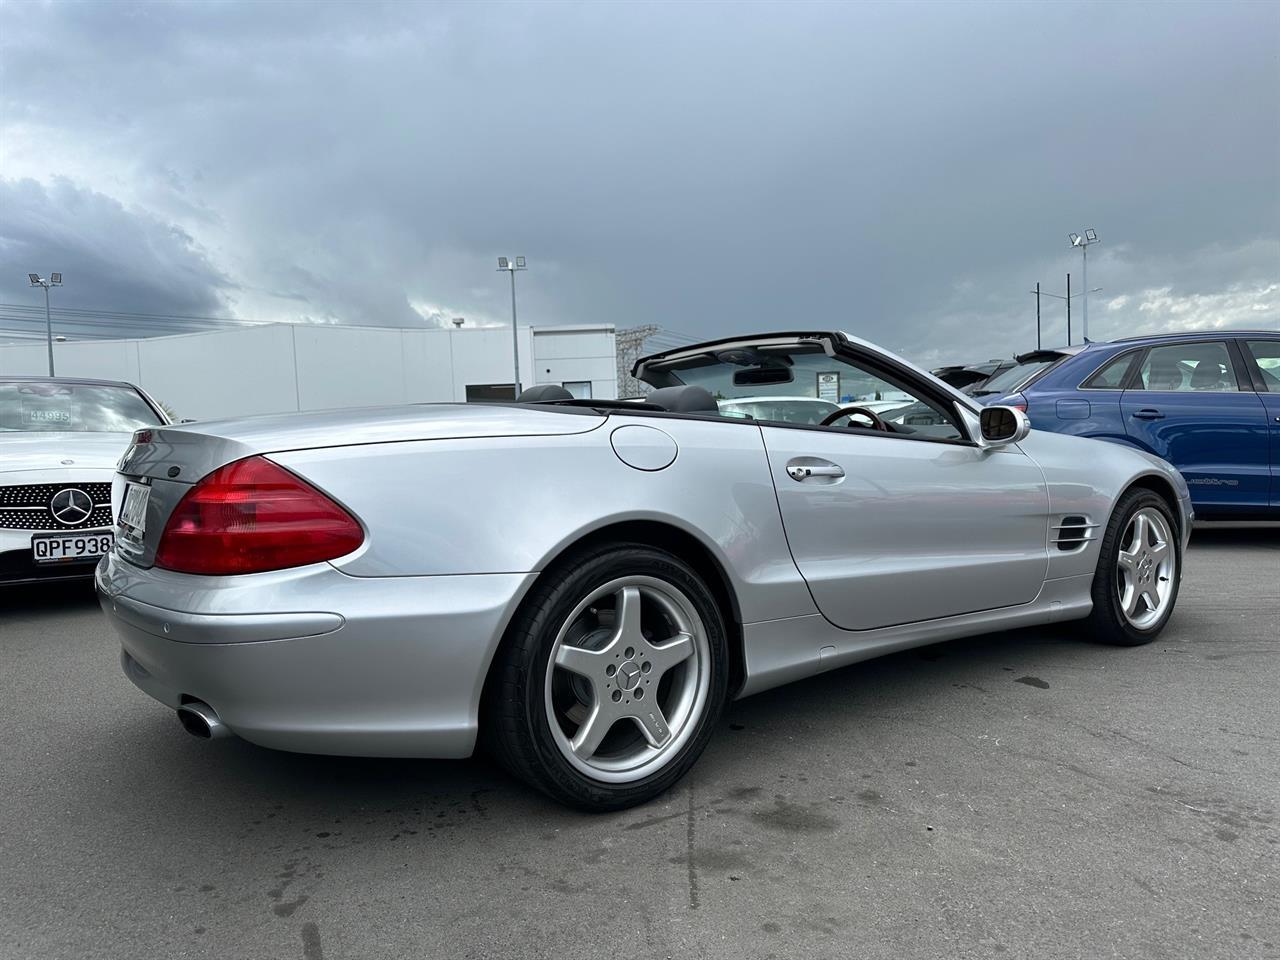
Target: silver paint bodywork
{"type": "Point", "coordinates": [385, 651]}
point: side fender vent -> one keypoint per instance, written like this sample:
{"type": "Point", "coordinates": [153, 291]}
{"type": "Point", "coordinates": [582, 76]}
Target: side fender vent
{"type": "Point", "coordinates": [1073, 532]}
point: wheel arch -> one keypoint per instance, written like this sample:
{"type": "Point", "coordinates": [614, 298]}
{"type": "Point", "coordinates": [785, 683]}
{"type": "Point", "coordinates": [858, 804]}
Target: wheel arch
{"type": "Point", "coordinates": [1161, 486]}
{"type": "Point", "coordinates": [662, 535]}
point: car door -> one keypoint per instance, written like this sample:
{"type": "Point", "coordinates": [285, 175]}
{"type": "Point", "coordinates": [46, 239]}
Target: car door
{"type": "Point", "coordinates": [1193, 404]}
{"type": "Point", "coordinates": [1264, 357]}
{"type": "Point", "coordinates": [892, 528]}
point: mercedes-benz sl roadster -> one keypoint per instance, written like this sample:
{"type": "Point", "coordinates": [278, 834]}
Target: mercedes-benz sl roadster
{"type": "Point", "coordinates": [583, 584]}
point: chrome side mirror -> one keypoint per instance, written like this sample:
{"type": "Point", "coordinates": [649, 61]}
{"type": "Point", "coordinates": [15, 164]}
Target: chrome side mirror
{"type": "Point", "coordinates": [1001, 425]}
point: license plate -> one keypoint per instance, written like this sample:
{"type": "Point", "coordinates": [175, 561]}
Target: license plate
{"type": "Point", "coordinates": [63, 547]}
{"type": "Point", "coordinates": [133, 513]}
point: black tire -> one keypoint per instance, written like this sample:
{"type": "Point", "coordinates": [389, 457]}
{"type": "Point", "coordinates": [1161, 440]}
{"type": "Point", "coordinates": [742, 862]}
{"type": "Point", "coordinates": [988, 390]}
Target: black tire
{"type": "Point", "coordinates": [1108, 622]}
{"type": "Point", "coordinates": [515, 723]}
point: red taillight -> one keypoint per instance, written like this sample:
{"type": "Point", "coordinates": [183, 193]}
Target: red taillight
{"type": "Point", "coordinates": [251, 516]}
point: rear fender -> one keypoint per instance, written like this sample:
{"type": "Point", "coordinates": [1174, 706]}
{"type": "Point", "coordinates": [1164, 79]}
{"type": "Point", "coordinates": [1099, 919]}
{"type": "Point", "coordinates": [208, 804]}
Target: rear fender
{"type": "Point", "coordinates": [513, 504]}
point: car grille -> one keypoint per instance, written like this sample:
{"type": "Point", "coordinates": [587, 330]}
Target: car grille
{"type": "Point", "coordinates": [26, 506]}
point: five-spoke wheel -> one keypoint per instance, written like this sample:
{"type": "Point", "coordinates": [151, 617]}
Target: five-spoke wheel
{"type": "Point", "coordinates": [613, 675]}
{"type": "Point", "coordinates": [1145, 568]}
{"type": "Point", "coordinates": [1136, 582]}
{"type": "Point", "coordinates": [626, 678]}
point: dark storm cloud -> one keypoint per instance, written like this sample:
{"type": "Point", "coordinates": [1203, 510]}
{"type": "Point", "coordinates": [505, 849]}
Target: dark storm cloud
{"type": "Point", "coordinates": [904, 171]}
{"type": "Point", "coordinates": [109, 256]}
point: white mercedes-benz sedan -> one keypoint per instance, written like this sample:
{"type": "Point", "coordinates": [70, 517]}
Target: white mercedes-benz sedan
{"type": "Point", "coordinates": [585, 583]}
{"type": "Point", "coordinates": [60, 440]}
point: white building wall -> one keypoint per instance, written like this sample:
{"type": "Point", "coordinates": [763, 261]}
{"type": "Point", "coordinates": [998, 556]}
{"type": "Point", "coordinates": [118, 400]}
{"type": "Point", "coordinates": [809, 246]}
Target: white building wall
{"type": "Point", "coordinates": [231, 373]}
{"type": "Point", "coordinates": [284, 367]}
{"type": "Point", "coordinates": [426, 363]}
{"type": "Point", "coordinates": [563, 354]}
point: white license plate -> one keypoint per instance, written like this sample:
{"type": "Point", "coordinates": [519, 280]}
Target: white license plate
{"type": "Point", "coordinates": [64, 547]}
{"type": "Point", "coordinates": [133, 513]}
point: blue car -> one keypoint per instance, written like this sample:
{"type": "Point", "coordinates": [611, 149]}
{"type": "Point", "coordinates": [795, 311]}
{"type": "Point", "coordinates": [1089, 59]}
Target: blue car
{"type": "Point", "coordinates": [1208, 402]}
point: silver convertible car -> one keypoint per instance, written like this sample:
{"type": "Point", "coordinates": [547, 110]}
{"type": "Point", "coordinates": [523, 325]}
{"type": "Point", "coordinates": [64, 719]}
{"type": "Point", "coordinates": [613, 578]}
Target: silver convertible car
{"type": "Point", "coordinates": [583, 584]}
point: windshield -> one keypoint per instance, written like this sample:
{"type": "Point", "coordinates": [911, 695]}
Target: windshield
{"type": "Point", "coordinates": [800, 383]}
{"type": "Point", "coordinates": [1014, 377]}
{"type": "Point", "coordinates": [72, 408]}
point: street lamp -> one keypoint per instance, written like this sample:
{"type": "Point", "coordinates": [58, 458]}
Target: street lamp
{"type": "Point", "coordinates": [55, 280]}
{"type": "Point", "coordinates": [1090, 237]}
{"type": "Point", "coordinates": [511, 266]}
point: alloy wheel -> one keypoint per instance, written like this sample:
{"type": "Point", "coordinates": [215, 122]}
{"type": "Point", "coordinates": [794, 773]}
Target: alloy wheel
{"type": "Point", "coordinates": [1146, 567]}
{"type": "Point", "coordinates": [627, 679]}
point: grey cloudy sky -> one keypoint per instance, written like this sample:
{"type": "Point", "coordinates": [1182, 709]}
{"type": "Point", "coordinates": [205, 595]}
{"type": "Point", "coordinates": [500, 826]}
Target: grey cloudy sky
{"type": "Point", "coordinates": [903, 171]}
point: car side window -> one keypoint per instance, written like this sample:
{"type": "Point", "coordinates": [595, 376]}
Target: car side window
{"type": "Point", "coordinates": [904, 412]}
{"type": "Point", "coordinates": [1188, 367]}
{"type": "Point", "coordinates": [1266, 353]}
{"type": "Point", "coordinates": [1112, 375]}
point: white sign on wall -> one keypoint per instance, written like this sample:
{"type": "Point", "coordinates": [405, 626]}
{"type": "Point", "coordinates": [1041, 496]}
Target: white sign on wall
{"type": "Point", "coordinates": [829, 387]}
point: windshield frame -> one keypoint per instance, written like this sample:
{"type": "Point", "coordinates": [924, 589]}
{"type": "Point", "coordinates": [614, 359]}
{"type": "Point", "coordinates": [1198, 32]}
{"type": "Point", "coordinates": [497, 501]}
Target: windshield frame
{"type": "Point", "coordinates": [959, 409]}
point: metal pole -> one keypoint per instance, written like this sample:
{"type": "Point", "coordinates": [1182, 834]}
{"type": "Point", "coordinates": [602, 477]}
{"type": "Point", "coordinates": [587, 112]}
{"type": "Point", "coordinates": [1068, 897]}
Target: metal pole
{"type": "Point", "coordinates": [1068, 309]}
{"type": "Point", "coordinates": [48, 327]}
{"type": "Point", "coordinates": [515, 341]}
{"type": "Point", "coordinates": [1084, 320]}
{"type": "Point", "coordinates": [1037, 316]}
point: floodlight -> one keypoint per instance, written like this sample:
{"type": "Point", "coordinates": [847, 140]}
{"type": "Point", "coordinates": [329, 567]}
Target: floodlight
{"type": "Point", "coordinates": [1075, 239]}
{"type": "Point", "coordinates": [519, 263]}
{"type": "Point", "coordinates": [34, 278]}
{"type": "Point", "coordinates": [1089, 235]}
{"type": "Point", "coordinates": [55, 278]}
{"type": "Point", "coordinates": [504, 263]}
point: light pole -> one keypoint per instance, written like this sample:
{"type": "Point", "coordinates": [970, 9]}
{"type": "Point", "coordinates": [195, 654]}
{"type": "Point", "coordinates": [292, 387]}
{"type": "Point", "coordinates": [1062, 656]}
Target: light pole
{"type": "Point", "coordinates": [1090, 237]}
{"type": "Point", "coordinates": [511, 266]}
{"type": "Point", "coordinates": [55, 280]}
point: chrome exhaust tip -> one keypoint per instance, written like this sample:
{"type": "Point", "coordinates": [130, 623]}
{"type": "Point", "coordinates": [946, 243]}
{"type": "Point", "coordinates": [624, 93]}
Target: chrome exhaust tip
{"type": "Point", "coordinates": [201, 720]}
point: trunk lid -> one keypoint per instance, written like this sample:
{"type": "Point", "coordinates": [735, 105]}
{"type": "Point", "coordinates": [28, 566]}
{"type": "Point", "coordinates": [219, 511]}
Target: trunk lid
{"type": "Point", "coordinates": [169, 460]}
{"type": "Point", "coordinates": [197, 449]}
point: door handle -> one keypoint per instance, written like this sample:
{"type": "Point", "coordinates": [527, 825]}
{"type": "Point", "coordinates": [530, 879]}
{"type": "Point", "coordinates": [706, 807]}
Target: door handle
{"type": "Point", "coordinates": [1148, 414]}
{"type": "Point", "coordinates": [803, 471]}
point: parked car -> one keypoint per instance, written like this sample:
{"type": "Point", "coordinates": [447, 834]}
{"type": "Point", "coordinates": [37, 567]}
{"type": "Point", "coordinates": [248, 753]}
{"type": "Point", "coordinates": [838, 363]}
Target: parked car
{"type": "Point", "coordinates": [966, 377]}
{"type": "Point", "coordinates": [586, 583]}
{"type": "Point", "coordinates": [60, 439]}
{"type": "Point", "coordinates": [1022, 369]}
{"type": "Point", "coordinates": [1207, 402]}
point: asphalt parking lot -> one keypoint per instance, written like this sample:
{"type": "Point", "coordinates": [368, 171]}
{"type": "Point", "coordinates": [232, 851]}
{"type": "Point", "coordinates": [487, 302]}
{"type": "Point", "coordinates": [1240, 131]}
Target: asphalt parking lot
{"type": "Point", "coordinates": [1022, 794]}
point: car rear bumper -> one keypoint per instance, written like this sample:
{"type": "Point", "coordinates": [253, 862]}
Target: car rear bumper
{"type": "Point", "coordinates": [389, 666]}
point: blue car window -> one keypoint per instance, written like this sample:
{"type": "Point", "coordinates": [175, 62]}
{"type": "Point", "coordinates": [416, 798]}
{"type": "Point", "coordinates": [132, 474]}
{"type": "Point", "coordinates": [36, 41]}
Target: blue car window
{"type": "Point", "coordinates": [1189, 367]}
{"type": "Point", "coordinates": [1111, 376]}
{"type": "Point", "coordinates": [1267, 355]}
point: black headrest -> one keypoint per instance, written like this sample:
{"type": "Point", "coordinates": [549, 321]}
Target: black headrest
{"type": "Point", "coordinates": [685, 399]}
{"type": "Point", "coordinates": [543, 393]}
